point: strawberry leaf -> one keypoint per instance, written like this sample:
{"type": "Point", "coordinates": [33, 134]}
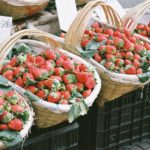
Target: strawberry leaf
{"type": "Point", "coordinates": [148, 55]}
{"type": "Point", "coordinates": [88, 54]}
{"type": "Point", "coordinates": [24, 116]}
{"type": "Point", "coordinates": [145, 66]}
{"type": "Point", "coordinates": [30, 81]}
{"type": "Point", "coordinates": [144, 77]}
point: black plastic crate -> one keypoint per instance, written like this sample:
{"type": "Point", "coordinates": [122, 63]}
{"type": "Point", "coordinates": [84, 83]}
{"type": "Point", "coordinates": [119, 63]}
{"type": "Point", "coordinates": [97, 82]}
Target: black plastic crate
{"type": "Point", "coordinates": [60, 137]}
{"type": "Point", "coordinates": [120, 122]}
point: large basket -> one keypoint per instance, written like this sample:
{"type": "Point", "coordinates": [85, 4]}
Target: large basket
{"type": "Point", "coordinates": [20, 9]}
{"type": "Point", "coordinates": [27, 126]}
{"type": "Point", "coordinates": [47, 114]}
{"type": "Point", "coordinates": [114, 85]}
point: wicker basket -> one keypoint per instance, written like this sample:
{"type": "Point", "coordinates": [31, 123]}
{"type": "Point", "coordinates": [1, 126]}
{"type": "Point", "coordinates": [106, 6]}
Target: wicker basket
{"type": "Point", "coordinates": [47, 114]}
{"type": "Point", "coordinates": [20, 9]}
{"type": "Point", "coordinates": [114, 85]}
{"type": "Point", "coordinates": [27, 126]}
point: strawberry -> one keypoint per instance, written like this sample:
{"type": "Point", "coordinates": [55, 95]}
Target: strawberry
{"type": "Point", "coordinates": [132, 39]}
{"type": "Point", "coordinates": [98, 30]}
{"type": "Point", "coordinates": [87, 93]}
{"type": "Point", "coordinates": [3, 127]}
{"type": "Point", "coordinates": [117, 34]}
{"type": "Point", "coordinates": [127, 62]}
{"type": "Point", "coordinates": [2, 94]}
{"type": "Point", "coordinates": [9, 74]}
{"type": "Point", "coordinates": [100, 38]}
{"type": "Point", "coordinates": [54, 97]}
{"type": "Point", "coordinates": [136, 63]}
{"type": "Point", "coordinates": [48, 66]}
{"type": "Point", "coordinates": [80, 86]}
{"type": "Point", "coordinates": [140, 49]}
{"type": "Point", "coordinates": [6, 117]}
{"type": "Point", "coordinates": [63, 101]}
{"type": "Point", "coordinates": [110, 57]}
{"type": "Point", "coordinates": [130, 69]}
{"type": "Point", "coordinates": [123, 54]}
{"type": "Point", "coordinates": [6, 67]}
{"type": "Point", "coordinates": [137, 56]}
{"type": "Point", "coordinates": [18, 71]}
{"type": "Point", "coordinates": [84, 42]}
{"type": "Point", "coordinates": [17, 109]}
{"type": "Point", "coordinates": [65, 94]}
{"type": "Point", "coordinates": [59, 61]}
{"type": "Point", "coordinates": [128, 46]}
{"type": "Point", "coordinates": [59, 71]}
{"type": "Point", "coordinates": [129, 55]}
{"type": "Point", "coordinates": [62, 35]}
{"type": "Point", "coordinates": [147, 45]}
{"type": "Point", "coordinates": [42, 94]}
{"type": "Point", "coordinates": [97, 57]}
{"type": "Point", "coordinates": [28, 78]}
{"type": "Point", "coordinates": [119, 62]}
{"type": "Point", "coordinates": [13, 62]}
{"type": "Point", "coordinates": [118, 54]}
{"type": "Point", "coordinates": [118, 42]}
{"type": "Point", "coordinates": [12, 97]}
{"type": "Point", "coordinates": [30, 68]}
{"type": "Point", "coordinates": [140, 27]}
{"type": "Point", "coordinates": [109, 31]}
{"type": "Point", "coordinates": [15, 124]}
{"type": "Point", "coordinates": [83, 67]}
{"type": "Point", "coordinates": [39, 61]}
{"type": "Point", "coordinates": [69, 78]}
{"type": "Point", "coordinates": [110, 49]}
{"type": "Point", "coordinates": [102, 49]}
{"type": "Point", "coordinates": [1, 101]}
{"type": "Point", "coordinates": [82, 77]}
{"type": "Point", "coordinates": [32, 88]}
{"type": "Point", "coordinates": [40, 74]}
{"type": "Point", "coordinates": [53, 77]}
{"type": "Point", "coordinates": [139, 71]}
{"type": "Point", "coordinates": [68, 65]}
{"type": "Point", "coordinates": [95, 25]}
{"type": "Point", "coordinates": [109, 42]}
{"type": "Point", "coordinates": [90, 83]}
{"type": "Point", "coordinates": [71, 87]}
{"type": "Point", "coordinates": [19, 82]}
{"type": "Point", "coordinates": [110, 65]}
{"type": "Point", "coordinates": [49, 54]}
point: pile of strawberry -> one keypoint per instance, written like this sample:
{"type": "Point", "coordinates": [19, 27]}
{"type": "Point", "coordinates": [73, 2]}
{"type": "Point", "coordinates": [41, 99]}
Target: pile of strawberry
{"type": "Point", "coordinates": [13, 111]}
{"type": "Point", "coordinates": [51, 75]}
{"type": "Point", "coordinates": [118, 50]}
{"type": "Point", "coordinates": [143, 29]}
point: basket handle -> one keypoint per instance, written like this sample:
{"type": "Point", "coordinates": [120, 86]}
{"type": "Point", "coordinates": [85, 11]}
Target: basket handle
{"type": "Point", "coordinates": [76, 30]}
{"type": "Point", "coordinates": [6, 46]}
{"type": "Point", "coordinates": [134, 14]}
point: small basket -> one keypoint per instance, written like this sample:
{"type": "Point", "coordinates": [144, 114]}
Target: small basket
{"type": "Point", "coordinates": [47, 114]}
{"type": "Point", "coordinates": [114, 85]}
{"type": "Point", "coordinates": [26, 128]}
{"type": "Point", "coordinates": [20, 9]}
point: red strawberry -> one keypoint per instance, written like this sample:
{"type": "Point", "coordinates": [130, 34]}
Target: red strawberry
{"type": "Point", "coordinates": [109, 42]}
{"type": "Point", "coordinates": [140, 27]}
{"type": "Point", "coordinates": [110, 49]}
{"type": "Point", "coordinates": [147, 45]}
{"type": "Point", "coordinates": [97, 57]}
{"type": "Point", "coordinates": [39, 61]}
{"type": "Point", "coordinates": [6, 67]}
{"type": "Point", "coordinates": [98, 30]}
{"type": "Point", "coordinates": [9, 74]}
{"type": "Point", "coordinates": [110, 57]}
{"type": "Point", "coordinates": [53, 77]}
{"type": "Point", "coordinates": [127, 62]}
{"type": "Point", "coordinates": [12, 97]}
{"type": "Point", "coordinates": [140, 49]}
{"type": "Point", "coordinates": [2, 94]}
{"type": "Point", "coordinates": [132, 39]}
{"type": "Point", "coordinates": [128, 46]}
{"type": "Point", "coordinates": [117, 34]}
{"type": "Point", "coordinates": [3, 127]}
{"type": "Point", "coordinates": [28, 78]}
{"type": "Point", "coordinates": [129, 55]}
{"type": "Point", "coordinates": [119, 62]}
{"type": "Point", "coordinates": [65, 94]}
{"type": "Point", "coordinates": [63, 101]}
{"type": "Point", "coordinates": [17, 109]}
{"type": "Point", "coordinates": [95, 25]}
{"type": "Point", "coordinates": [84, 42]}
{"type": "Point", "coordinates": [87, 93]}
{"type": "Point", "coordinates": [82, 77]}
{"type": "Point", "coordinates": [45, 83]}
{"type": "Point", "coordinates": [48, 66]}
{"type": "Point", "coordinates": [32, 88]}
{"type": "Point", "coordinates": [5, 117]}
{"type": "Point", "coordinates": [80, 86]}
{"type": "Point", "coordinates": [30, 68]}
{"type": "Point", "coordinates": [139, 71]}
{"type": "Point", "coordinates": [54, 97]}
{"type": "Point", "coordinates": [90, 83]}
{"type": "Point", "coordinates": [59, 61]}
{"type": "Point", "coordinates": [122, 71]}
{"type": "Point", "coordinates": [136, 63]}
{"type": "Point", "coordinates": [68, 65]}
{"type": "Point", "coordinates": [110, 65]}
{"type": "Point", "coordinates": [1, 101]}
{"type": "Point", "coordinates": [19, 82]}
{"type": "Point", "coordinates": [137, 56]}
{"type": "Point", "coordinates": [19, 71]}
{"type": "Point", "coordinates": [109, 31]}
{"type": "Point", "coordinates": [59, 71]}
{"type": "Point", "coordinates": [13, 62]}
{"type": "Point", "coordinates": [42, 94]}
{"type": "Point", "coordinates": [118, 42]}
{"type": "Point", "coordinates": [49, 54]}
{"type": "Point", "coordinates": [102, 49]}
{"type": "Point", "coordinates": [71, 87]}
{"type": "Point", "coordinates": [100, 38]}
{"type": "Point", "coordinates": [15, 124]}
{"type": "Point", "coordinates": [83, 67]}
{"type": "Point", "coordinates": [62, 35]}
{"type": "Point", "coordinates": [40, 74]}
{"type": "Point", "coordinates": [130, 69]}
{"type": "Point", "coordinates": [118, 54]}
{"type": "Point", "coordinates": [69, 78]}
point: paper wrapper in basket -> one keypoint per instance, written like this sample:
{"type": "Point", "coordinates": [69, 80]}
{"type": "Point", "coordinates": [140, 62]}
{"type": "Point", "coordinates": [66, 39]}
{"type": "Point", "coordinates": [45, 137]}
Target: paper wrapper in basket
{"type": "Point", "coordinates": [19, 9]}
{"type": "Point", "coordinates": [47, 114]}
{"type": "Point", "coordinates": [114, 85]}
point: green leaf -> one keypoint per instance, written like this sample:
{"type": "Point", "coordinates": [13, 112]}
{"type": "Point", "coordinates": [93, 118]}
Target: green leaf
{"type": "Point", "coordinates": [148, 55]}
{"type": "Point", "coordinates": [145, 66]}
{"type": "Point", "coordinates": [144, 77]}
{"type": "Point", "coordinates": [31, 96]}
{"type": "Point", "coordinates": [21, 58]}
{"type": "Point", "coordinates": [88, 54]}
{"type": "Point", "coordinates": [76, 94]}
{"type": "Point", "coordinates": [24, 116]}
{"type": "Point", "coordinates": [10, 138]}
